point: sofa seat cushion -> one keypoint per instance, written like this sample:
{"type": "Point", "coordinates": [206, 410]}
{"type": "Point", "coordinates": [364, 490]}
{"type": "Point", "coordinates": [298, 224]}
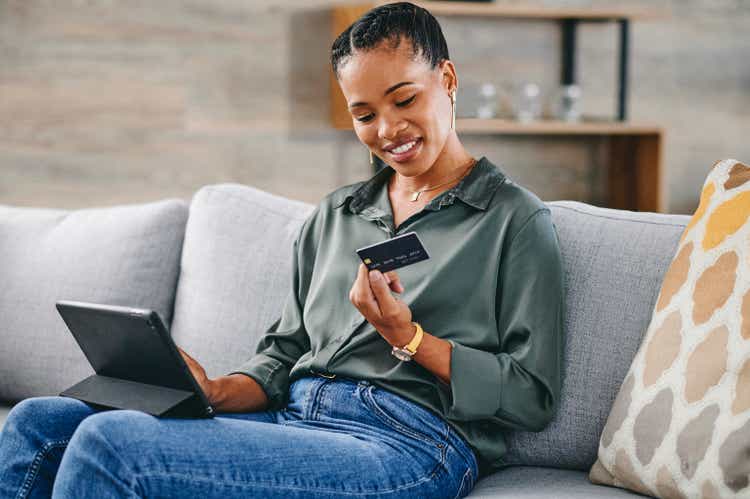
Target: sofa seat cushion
{"type": "Point", "coordinates": [235, 272]}
{"type": "Point", "coordinates": [121, 255]}
{"type": "Point", "coordinates": [532, 482]}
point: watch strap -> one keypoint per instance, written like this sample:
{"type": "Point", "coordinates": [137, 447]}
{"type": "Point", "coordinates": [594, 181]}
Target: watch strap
{"type": "Point", "coordinates": [416, 340]}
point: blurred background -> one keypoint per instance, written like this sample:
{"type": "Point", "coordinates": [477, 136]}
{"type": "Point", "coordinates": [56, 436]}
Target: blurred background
{"type": "Point", "coordinates": [106, 102]}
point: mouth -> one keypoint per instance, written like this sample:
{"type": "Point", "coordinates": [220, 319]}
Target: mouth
{"type": "Point", "coordinates": [406, 151]}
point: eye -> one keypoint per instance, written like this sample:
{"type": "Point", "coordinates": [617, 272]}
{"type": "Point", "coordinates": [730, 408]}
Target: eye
{"type": "Point", "coordinates": [368, 117]}
{"type": "Point", "coordinates": [406, 102]}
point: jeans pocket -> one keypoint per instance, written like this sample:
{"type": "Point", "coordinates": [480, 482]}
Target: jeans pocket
{"type": "Point", "coordinates": [384, 413]}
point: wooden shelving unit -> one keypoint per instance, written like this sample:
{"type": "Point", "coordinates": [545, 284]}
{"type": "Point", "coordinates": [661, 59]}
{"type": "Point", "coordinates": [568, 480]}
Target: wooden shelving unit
{"type": "Point", "coordinates": [635, 149]}
{"type": "Point", "coordinates": [486, 9]}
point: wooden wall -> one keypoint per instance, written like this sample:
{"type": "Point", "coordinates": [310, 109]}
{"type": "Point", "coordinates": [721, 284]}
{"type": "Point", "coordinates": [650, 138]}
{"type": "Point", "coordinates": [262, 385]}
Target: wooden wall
{"type": "Point", "coordinates": [105, 102]}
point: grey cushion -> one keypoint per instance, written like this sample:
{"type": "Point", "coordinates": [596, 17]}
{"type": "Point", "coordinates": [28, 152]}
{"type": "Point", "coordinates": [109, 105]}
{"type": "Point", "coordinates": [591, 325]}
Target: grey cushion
{"type": "Point", "coordinates": [614, 264]}
{"type": "Point", "coordinates": [529, 482]}
{"type": "Point", "coordinates": [122, 255]}
{"type": "Point", "coordinates": [235, 272]}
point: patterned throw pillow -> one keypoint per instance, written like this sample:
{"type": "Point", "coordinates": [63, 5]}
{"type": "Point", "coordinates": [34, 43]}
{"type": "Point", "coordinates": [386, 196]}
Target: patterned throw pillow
{"type": "Point", "coordinates": [680, 425]}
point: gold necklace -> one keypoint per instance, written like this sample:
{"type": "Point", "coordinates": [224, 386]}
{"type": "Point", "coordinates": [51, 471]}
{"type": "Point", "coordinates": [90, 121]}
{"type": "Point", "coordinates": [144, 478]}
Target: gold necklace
{"type": "Point", "coordinates": [415, 194]}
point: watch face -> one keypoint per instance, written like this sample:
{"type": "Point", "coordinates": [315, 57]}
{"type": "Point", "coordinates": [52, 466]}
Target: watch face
{"type": "Point", "coordinates": [400, 354]}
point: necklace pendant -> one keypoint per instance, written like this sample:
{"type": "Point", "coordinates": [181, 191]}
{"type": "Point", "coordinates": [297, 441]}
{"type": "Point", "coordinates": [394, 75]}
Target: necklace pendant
{"type": "Point", "coordinates": [415, 196]}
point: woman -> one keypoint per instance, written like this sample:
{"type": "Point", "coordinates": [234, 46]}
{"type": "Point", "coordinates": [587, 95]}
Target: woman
{"type": "Point", "coordinates": [377, 396]}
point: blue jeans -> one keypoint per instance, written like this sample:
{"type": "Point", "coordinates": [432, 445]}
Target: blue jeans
{"type": "Point", "coordinates": [336, 438]}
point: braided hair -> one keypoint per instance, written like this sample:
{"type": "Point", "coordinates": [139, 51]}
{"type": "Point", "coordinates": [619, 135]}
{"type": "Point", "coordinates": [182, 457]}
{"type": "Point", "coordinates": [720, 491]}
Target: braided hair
{"type": "Point", "coordinates": [388, 24]}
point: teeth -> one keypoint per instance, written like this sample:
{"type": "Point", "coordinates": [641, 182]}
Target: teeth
{"type": "Point", "coordinates": [404, 148]}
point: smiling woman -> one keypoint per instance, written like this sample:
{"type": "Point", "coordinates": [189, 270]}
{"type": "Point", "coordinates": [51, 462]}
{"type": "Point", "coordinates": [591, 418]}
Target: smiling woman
{"type": "Point", "coordinates": [394, 70]}
{"type": "Point", "coordinates": [378, 396]}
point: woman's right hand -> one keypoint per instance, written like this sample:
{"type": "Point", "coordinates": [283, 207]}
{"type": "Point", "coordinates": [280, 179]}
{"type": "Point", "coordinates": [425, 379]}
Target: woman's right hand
{"type": "Point", "coordinates": [199, 374]}
{"type": "Point", "coordinates": [394, 281]}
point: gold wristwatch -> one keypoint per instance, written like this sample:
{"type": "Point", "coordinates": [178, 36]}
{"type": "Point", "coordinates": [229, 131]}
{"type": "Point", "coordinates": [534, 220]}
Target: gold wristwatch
{"type": "Point", "coordinates": [407, 351]}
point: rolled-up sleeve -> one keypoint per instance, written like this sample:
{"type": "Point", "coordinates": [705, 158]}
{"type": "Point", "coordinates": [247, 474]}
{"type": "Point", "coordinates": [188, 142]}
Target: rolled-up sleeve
{"type": "Point", "coordinates": [518, 387]}
{"type": "Point", "coordinates": [286, 340]}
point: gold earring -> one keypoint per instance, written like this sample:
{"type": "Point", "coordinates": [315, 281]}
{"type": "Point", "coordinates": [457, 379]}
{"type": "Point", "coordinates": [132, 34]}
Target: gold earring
{"type": "Point", "coordinates": [453, 109]}
{"type": "Point", "coordinates": [371, 160]}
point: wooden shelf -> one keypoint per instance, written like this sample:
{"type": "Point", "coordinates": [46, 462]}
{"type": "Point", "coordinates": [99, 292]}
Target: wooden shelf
{"type": "Point", "coordinates": [491, 9]}
{"type": "Point", "coordinates": [552, 127]}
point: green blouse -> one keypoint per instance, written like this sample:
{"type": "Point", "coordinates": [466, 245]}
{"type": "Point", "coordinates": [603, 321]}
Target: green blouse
{"type": "Point", "coordinates": [492, 287]}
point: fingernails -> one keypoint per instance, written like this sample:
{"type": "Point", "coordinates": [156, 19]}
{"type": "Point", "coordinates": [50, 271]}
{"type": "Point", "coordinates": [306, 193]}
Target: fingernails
{"type": "Point", "coordinates": [375, 275]}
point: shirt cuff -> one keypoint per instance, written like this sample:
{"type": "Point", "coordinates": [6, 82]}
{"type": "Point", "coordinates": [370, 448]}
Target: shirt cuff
{"type": "Point", "coordinates": [271, 375]}
{"type": "Point", "coordinates": [475, 384]}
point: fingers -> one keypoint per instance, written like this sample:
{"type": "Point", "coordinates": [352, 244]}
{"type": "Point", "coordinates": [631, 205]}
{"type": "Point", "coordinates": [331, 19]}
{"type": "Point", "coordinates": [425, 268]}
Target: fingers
{"type": "Point", "coordinates": [184, 354]}
{"type": "Point", "coordinates": [195, 368]}
{"type": "Point", "coordinates": [361, 293]}
{"type": "Point", "coordinates": [383, 296]}
{"type": "Point", "coordinates": [191, 362]}
{"type": "Point", "coordinates": [374, 297]}
{"type": "Point", "coordinates": [394, 281]}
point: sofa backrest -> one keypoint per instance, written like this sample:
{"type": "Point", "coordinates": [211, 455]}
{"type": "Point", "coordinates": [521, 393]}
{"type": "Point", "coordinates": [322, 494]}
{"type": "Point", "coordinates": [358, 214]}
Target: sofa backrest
{"type": "Point", "coordinates": [120, 255]}
{"type": "Point", "coordinates": [614, 262]}
{"type": "Point", "coordinates": [235, 272]}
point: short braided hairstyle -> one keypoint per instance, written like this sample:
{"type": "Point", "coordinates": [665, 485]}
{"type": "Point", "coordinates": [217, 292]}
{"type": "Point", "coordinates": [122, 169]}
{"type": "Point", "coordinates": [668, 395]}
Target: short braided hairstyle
{"type": "Point", "coordinates": [389, 23]}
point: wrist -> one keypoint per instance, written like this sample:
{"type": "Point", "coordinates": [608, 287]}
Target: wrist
{"type": "Point", "coordinates": [236, 392]}
{"type": "Point", "coordinates": [403, 336]}
{"type": "Point", "coordinates": [213, 390]}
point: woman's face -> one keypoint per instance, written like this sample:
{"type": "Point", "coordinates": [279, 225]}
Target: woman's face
{"type": "Point", "coordinates": [396, 100]}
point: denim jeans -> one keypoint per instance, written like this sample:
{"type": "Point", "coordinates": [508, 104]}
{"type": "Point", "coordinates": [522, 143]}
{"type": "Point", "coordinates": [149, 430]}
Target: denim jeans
{"type": "Point", "coordinates": [336, 438]}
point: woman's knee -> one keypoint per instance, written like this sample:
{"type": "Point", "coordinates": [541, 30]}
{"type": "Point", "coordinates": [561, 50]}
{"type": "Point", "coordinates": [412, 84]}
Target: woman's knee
{"type": "Point", "coordinates": [47, 412]}
{"type": "Point", "coordinates": [102, 450]}
{"type": "Point", "coordinates": [115, 431]}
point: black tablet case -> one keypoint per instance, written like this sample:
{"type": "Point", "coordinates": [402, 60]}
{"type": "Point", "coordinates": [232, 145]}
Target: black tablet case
{"type": "Point", "coordinates": [136, 363]}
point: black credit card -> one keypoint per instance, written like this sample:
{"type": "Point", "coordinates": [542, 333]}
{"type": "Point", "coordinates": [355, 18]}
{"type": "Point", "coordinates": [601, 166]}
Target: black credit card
{"type": "Point", "coordinates": [393, 253]}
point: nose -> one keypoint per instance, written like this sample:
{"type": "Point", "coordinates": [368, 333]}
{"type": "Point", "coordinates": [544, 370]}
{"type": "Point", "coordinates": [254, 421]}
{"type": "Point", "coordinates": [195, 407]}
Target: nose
{"type": "Point", "coordinates": [391, 127]}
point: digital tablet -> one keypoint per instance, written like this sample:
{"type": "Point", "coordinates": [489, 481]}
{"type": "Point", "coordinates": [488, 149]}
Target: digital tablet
{"type": "Point", "coordinates": [137, 364]}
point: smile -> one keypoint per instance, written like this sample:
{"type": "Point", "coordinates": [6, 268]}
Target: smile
{"type": "Point", "coordinates": [403, 148]}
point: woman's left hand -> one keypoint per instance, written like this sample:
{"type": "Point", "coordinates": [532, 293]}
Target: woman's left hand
{"type": "Point", "coordinates": [371, 294]}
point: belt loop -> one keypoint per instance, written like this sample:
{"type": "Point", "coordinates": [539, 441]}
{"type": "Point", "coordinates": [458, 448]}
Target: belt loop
{"type": "Point", "coordinates": [361, 385]}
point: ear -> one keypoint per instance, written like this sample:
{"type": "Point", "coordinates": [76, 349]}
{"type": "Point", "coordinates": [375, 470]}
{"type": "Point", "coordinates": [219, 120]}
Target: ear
{"type": "Point", "coordinates": [448, 76]}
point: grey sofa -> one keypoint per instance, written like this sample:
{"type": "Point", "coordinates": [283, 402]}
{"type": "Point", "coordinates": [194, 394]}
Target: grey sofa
{"type": "Point", "coordinates": [217, 270]}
